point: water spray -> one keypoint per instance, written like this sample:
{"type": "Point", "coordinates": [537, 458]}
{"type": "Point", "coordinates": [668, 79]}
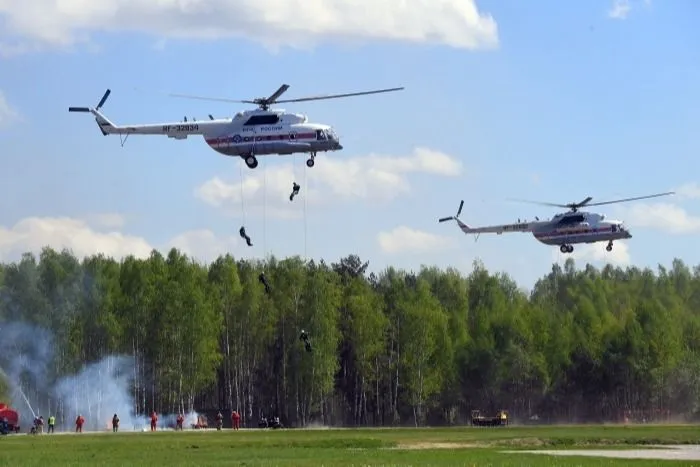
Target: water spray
{"type": "Point", "coordinates": [19, 389]}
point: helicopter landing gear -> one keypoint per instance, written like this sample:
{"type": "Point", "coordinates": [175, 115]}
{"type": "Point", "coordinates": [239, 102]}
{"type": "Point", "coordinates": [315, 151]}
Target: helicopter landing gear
{"type": "Point", "coordinates": [566, 248]}
{"type": "Point", "coordinates": [251, 161]}
{"type": "Point", "coordinates": [609, 247]}
{"type": "Point", "coordinates": [310, 161]}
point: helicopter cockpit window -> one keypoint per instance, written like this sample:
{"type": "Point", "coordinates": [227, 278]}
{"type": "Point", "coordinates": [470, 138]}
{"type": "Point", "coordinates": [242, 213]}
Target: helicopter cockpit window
{"type": "Point", "coordinates": [270, 119]}
{"type": "Point", "coordinates": [614, 228]}
{"type": "Point", "coordinates": [320, 135]}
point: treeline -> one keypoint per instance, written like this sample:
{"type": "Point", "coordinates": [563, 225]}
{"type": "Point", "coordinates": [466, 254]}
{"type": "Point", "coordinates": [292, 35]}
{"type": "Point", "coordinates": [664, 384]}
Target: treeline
{"type": "Point", "coordinates": [394, 348]}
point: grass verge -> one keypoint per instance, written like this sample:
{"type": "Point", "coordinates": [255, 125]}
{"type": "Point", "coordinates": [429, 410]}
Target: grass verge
{"type": "Point", "coordinates": [343, 447]}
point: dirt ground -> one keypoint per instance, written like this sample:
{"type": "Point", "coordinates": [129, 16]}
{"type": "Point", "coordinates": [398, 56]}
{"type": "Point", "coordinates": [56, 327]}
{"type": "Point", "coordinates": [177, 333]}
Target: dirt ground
{"type": "Point", "coordinates": [417, 446]}
{"type": "Point", "coordinates": [682, 452]}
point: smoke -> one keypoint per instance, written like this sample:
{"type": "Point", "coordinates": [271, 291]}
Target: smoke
{"type": "Point", "coordinates": [97, 391]}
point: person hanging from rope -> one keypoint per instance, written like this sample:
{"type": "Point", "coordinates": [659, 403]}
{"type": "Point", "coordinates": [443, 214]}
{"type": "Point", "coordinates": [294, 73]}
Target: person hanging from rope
{"type": "Point", "coordinates": [295, 191]}
{"type": "Point", "coordinates": [263, 281]}
{"type": "Point", "coordinates": [245, 236]}
{"type": "Point", "coordinates": [305, 337]}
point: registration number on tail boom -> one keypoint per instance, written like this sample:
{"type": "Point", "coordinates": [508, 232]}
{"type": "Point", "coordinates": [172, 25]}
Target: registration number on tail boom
{"type": "Point", "coordinates": [189, 127]}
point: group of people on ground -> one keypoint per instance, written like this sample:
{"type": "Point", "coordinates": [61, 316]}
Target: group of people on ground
{"type": "Point", "coordinates": [38, 426]}
{"type": "Point", "coordinates": [235, 420]}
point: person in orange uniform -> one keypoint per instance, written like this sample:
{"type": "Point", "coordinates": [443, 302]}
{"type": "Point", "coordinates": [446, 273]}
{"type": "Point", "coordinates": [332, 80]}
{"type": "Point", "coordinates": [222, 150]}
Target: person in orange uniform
{"type": "Point", "coordinates": [235, 420]}
{"type": "Point", "coordinates": [79, 422]}
{"type": "Point", "coordinates": [154, 420]}
{"type": "Point", "coordinates": [180, 421]}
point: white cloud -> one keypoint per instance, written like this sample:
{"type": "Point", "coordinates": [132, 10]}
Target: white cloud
{"type": "Point", "coordinates": [689, 191]}
{"type": "Point", "coordinates": [457, 23]}
{"type": "Point", "coordinates": [110, 220]}
{"type": "Point", "coordinates": [619, 9]}
{"type": "Point", "coordinates": [34, 233]}
{"type": "Point", "coordinates": [8, 115]}
{"type": "Point", "coordinates": [407, 240]}
{"type": "Point", "coordinates": [378, 178]}
{"type": "Point", "coordinates": [596, 253]}
{"type": "Point", "coordinates": [665, 217]}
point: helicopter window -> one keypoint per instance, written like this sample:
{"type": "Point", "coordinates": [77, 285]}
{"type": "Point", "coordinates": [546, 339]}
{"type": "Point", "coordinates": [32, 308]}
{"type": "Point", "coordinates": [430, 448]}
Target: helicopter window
{"type": "Point", "coordinates": [262, 120]}
{"type": "Point", "coordinates": [320, 135]}
{"type": "Point", "coordinates": [576, 218]}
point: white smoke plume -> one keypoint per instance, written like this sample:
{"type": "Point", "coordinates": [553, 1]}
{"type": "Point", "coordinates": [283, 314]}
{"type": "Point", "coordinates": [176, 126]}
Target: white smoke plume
{"type": "Point", "coordinates": [97, 391]}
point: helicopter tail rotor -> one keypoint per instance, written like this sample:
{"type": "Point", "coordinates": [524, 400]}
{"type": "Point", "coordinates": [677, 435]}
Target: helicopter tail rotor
{"type": "Point", "coordinates": [101, 120]}
{"type": "Point", "coordinates": [455, 217]}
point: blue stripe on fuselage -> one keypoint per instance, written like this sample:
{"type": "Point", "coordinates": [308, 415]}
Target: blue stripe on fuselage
{"type": "Point", "coordinates": [579, 236]}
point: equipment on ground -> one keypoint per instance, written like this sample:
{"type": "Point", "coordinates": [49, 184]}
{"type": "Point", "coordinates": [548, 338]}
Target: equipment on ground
{"type": "Point", "coordinates": [201, 423]}
{"type": "Point", "coordinates": [249, 133]}
{"type": "Point", "coordinates": [563, 229]}
{"type": "Point", "coordinates": [270, 422]}
{"type": "Point", "coordinates": [501, 419]}
{"type": "Point", "coordinates": [9, 419]}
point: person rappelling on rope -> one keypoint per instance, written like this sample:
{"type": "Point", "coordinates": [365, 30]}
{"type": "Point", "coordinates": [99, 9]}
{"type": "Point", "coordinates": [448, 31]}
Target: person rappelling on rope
{"type": "Point", "coordinates": [263, 281]}
{"type": "Point", "coordinates": [295, 191]}
{"type": "Point", "coordinates": [245, 236]}
{"type": "Point", "coordinates": [305, 337]}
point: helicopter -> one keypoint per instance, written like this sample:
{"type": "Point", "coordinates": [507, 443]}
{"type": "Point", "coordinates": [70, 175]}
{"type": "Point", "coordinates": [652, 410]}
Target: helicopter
{"type": "Point", "coordinates": [564, 229]}
{"type": "Point", "coordinates": [249, 133]}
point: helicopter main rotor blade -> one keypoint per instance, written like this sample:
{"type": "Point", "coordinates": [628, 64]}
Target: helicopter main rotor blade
{"type": "Point", "coordinates": [273, 97]}
{"type": "Point", "coordinates": [541, 203]}
{"type": "Point", "coordinates": [337, 96]}
{"type": "Point", "coordinates": [632, 199]}
{"type": "Point", "coordinates": [215, 99]}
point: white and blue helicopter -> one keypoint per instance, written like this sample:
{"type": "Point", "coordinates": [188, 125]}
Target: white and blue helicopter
{"type": "Point", "coordinates": [249, 134]}
{"type": "Point", "coordinates": [564, 229]}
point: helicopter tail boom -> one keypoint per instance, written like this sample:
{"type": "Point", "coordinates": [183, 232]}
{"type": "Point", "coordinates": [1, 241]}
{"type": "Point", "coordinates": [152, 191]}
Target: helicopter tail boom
{"type": "Point", "coordinates": [177, 130]}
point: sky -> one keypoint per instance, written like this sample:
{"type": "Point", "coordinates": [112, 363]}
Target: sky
{"type": "Point", "coordinates": [550, 101]}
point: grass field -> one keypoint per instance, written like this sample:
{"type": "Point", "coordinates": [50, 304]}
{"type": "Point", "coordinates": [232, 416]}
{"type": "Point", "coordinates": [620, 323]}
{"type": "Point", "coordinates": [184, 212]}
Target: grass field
{"type": "Point", "coordinates": [346, 447]}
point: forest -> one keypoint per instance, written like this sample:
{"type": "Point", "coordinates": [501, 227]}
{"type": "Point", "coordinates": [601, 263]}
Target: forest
{"type": "Point", "coordinates": [394, 348]}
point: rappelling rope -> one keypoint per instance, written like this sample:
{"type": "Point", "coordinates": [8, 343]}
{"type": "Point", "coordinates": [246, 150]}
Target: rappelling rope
{"type": "Point", "coordinates": [264, 209]}
{"type": "Point", "coordinates": [240, 171]}
{"type": "Point", "coordinates": [306, 197]}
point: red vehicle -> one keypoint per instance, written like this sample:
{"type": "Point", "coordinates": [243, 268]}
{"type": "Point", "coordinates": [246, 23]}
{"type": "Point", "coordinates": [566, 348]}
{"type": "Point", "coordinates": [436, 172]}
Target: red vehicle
{"type": "Point", "coordinates": [12, 417]}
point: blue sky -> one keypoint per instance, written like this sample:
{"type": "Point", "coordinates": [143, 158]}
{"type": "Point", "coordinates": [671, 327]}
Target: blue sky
{"type": "Point", "coordinates": [558, 101]}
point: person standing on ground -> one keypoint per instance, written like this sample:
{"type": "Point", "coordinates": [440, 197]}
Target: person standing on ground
{"type": "Point", "coordinates": [115, 423]}
{"type": "Point", "coordinates": [154, 420]}
{"type": "Point", "coordinates": [52, 424]}
{"type": "Point", "coordinates": [79, 422]}
{"type": "Point", "coordinates": [235, 420]}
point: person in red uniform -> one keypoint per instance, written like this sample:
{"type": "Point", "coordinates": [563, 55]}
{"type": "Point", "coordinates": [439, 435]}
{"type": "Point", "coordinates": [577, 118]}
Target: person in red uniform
{"type": "Point", "coordinates": [180, 421]}
{"type": "Point", "coordinates": [235, 420]}
{"type": "Point", "coordinates": [79, 422]}
{"type": "Point", "coordinates": [154, 420]}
